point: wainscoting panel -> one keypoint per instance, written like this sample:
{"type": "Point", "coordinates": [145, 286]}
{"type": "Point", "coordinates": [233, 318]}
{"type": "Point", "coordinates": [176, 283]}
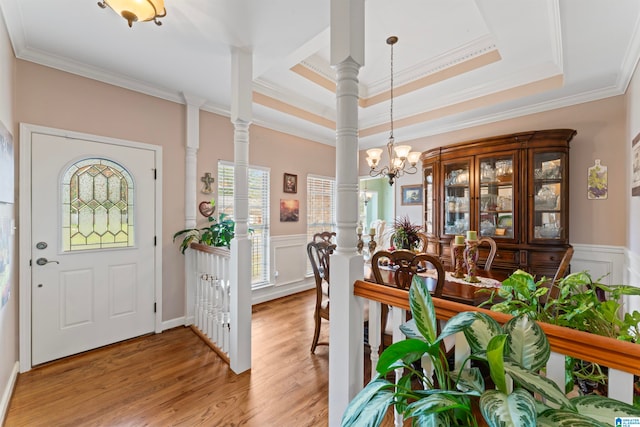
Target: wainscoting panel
{"type": "Point", "coordinates": [606, 263]}
{"type": "Point", "coordinates": [632, 277]}
{"type": "Point", "coordinates": [288, 255]}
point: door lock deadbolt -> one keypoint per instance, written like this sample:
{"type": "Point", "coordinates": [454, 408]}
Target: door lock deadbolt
{"type": "Point", "coordinates": [41, 245]}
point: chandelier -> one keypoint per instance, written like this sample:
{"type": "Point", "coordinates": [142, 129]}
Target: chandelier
{"type": "Point", "coordinates": [137, 10]}
{"type": "Point", "coordinates": [401, 159]}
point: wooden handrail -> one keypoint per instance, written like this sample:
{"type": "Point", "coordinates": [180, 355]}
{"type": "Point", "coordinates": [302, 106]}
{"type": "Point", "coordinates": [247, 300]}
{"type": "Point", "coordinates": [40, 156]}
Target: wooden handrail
{"type": "Point", "coordinates": [616, 354]}
{"type": "Point", "coordinates": [215, 250]}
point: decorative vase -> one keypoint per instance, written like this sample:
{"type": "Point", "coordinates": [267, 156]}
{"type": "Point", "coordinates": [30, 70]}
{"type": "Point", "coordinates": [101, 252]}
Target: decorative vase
{"type": "Point", "coordinates": [458, 256]}
{"type": "Point", "coordinates": [471, 258]}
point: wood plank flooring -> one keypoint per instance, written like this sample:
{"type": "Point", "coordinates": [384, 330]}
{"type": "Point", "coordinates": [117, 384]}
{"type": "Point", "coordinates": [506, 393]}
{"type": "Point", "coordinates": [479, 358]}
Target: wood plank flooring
{"type": "Point", "coordinates": [174, 379]}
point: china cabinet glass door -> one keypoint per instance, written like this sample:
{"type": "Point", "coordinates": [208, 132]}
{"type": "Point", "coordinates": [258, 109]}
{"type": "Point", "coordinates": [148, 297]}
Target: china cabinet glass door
{"type": "Point", "coordinates": [497, 195]}
{"type": "Point", "coordinates": [457, 197]}
{"type": "Point", "coordinates": [429, 214]}
{"type": "Point", "coordinates": [548, 194]}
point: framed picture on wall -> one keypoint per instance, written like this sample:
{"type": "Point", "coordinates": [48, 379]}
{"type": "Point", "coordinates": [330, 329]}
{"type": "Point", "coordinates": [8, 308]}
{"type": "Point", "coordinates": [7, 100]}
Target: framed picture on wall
{"type": "Point", "coordinates": [411, 194]}
{"type": "Point", "coordinates": [635, 166]}
{"type": "Point", "coordinates": [290, 183]}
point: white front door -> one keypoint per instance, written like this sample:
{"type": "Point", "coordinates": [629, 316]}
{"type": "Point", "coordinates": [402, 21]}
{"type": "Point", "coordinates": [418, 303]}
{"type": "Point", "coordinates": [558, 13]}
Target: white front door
{"type": "Point", "coordinates": [92, 249]}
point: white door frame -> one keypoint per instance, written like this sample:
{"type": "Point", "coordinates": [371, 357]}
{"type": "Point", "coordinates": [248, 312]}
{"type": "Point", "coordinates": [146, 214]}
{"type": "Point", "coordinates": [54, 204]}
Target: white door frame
{"type": "Point", "coordinates": [24, 227]}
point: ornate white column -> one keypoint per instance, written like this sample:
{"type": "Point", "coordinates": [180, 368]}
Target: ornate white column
{"type": "Point", "coordinates": [241, 116]}
{"type": "Point", "coordinates": [192, 138]}
{"type": "Point", "coordinates": [191, 160]}
{"type": "Point", "coordinates": [346, 324]}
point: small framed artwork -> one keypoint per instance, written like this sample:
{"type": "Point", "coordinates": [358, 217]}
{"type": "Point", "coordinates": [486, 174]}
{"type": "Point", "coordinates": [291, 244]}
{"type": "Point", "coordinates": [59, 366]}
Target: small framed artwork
{"type": "Point", "coordinates": [289, 210]}
{"type": "Point", "coordinates": [597, 182]}
{"type": "Point", "coordinates": [411, 194]}
{"type": "Point", "coordinates": [635, 166]}
{"type": "Point", "coordinates": [290, 183]}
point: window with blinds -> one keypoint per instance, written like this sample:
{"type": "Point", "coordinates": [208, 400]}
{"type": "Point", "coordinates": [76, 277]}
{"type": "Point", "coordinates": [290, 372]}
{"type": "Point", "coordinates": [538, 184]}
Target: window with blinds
{"type": "Point", "coordinates": [258, 215]}
{"type": "Point", "coordinates": [321, 205]}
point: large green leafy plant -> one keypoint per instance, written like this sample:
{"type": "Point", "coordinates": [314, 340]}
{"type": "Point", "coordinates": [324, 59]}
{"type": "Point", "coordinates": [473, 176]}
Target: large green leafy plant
{"type": "Point", "coordinates": [580, 304]}
{"type": "Point", "coordinates": [513, 393]}
{"type": "Point", "coordinates": [220, 232]}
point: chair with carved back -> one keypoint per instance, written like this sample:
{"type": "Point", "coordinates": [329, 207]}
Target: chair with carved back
{"type": "Point", "coordinates": [403, 265]}
{"type": "Point", "coordinates": [319, 253]}
{"type": "Point", "coordinates": [488, 261]}
{"type": "Point", "coordinates": [324, 236]}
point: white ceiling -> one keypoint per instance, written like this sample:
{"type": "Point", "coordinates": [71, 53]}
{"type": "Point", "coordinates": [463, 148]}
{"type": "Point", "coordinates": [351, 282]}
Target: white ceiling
{"type": "Point", "coordinates": [458, 63]}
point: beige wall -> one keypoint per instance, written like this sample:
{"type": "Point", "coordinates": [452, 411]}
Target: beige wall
{"type": "Point", "coordinates": [61, 100]}
{"type": "Point", "coordinates": [53, 98]}
{"type": "Point", "coordinates": [9, 313]}
{"type": "Point", "coordinates": [601, 135]}
{"type": "Point", "coordinates": [267, 148]}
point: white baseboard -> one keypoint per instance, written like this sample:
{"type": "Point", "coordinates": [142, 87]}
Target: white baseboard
{"type": "Point", "coordinates": [269, 293]}
{"type": "Point", "coordinates": [8, 392]}
{"type": "Point", "coordinates": [173, 323]}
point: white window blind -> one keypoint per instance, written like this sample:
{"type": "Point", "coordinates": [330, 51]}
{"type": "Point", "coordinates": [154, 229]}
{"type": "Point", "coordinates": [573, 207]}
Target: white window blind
{"type": "Point", "coordinates": [321, 205]}
{"type": "Point", "coordinates": [258, 215]}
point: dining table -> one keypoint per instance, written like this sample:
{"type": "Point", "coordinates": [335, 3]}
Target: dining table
{"type": "Point", "coordinates": [454, 289]}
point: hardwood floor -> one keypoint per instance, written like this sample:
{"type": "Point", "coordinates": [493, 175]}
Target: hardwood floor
{"type": "Point", "coordinates": [175, 379]}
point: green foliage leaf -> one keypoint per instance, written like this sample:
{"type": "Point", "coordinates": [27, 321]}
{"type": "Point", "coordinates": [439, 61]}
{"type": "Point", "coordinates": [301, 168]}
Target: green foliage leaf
{"type": "Point", "coordinates": [566, 418]}
{"type": "Point", "coordinates": [480, 332]}
{"type": "Point", "coordinates": [469, 380]}
{"type": "Point", "coordinates": [603, 409]}
{"type": "Point", "coordinates": [434, 403]}
{"type": "Point", "coordinates": [536, 383]}
{"type": "Point", "coordinates": [370, 405]}
{"type": "Point", "coordinates": [495, 357]}
{"type": "Point", "coordinates": [422, 310]}
{"type": "Point", "coordinates": [406, 351]}
{"type": "Point", "coordinates": [527, 344]}
{"type": "Point", "coordinates": [517, 409]}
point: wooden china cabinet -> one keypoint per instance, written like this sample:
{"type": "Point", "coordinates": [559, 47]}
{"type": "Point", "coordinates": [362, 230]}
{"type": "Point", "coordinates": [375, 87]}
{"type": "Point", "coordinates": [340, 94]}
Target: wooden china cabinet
{"type": "Point", "coordinates": [514, 188]}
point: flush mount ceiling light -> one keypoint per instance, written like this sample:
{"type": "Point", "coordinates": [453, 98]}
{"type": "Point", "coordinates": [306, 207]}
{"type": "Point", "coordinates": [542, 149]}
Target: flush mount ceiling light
{"type": "Point", "coordinates": [137, 10]}
{"type": "Point", "coordinates": [401, 159]}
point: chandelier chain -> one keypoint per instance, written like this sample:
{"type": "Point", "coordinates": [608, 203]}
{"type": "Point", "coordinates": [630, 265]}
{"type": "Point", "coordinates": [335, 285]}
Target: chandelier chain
{"type": "Point", "coordinates": [391, 92]}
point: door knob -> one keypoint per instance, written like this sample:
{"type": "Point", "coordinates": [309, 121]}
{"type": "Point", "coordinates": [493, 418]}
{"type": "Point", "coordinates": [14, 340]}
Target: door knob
{"type": "Point", "coordinates": [44, 261]}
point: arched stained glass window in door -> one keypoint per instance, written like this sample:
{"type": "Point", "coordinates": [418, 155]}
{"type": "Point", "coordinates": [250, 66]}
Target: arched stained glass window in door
{"type": "Point", "coordinates": [97, 206]}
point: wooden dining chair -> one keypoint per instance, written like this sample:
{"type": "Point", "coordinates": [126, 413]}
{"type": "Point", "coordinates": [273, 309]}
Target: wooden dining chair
{"type": "Point", "coordinates": [403, 265]}
{"type": "Point", "coordinates": [319, 253]}
{"type": "Point", "coordinates": [562, 271]}
{"type": "Point", "coordinates": [324, 236]}
{"type": "Point", "coordinates": [488, 262]}
{"type": "Point", "coordinates": [406, 264]}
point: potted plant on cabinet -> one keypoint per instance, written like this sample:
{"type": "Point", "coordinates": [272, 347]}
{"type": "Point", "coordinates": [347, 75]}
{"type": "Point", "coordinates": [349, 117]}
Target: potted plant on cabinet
{"type": "Point", "coordinates": [513, 352]}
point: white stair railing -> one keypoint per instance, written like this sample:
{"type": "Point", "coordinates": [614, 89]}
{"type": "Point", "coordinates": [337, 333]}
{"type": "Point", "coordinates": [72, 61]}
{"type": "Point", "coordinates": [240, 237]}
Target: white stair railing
{"type": "Point", "coordinates": [208, 290]}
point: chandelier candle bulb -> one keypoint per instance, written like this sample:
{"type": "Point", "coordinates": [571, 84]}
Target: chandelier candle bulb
{"type": "Point", "coordinates": [472, 235]}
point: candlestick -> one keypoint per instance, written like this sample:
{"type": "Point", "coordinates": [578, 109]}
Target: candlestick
{"type": "Point", "coordinates": [458, 257]}
{"type": "Point", "coordinates": [471, 257]}
{"type": "Point", "coordinates": [360, 243]}
{"type": "Point", "coordinates": [372, 244]}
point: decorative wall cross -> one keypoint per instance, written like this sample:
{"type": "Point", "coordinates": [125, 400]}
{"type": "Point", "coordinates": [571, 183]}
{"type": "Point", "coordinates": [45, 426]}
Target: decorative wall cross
{"type": "Point", "coordinates": [207, 179]}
